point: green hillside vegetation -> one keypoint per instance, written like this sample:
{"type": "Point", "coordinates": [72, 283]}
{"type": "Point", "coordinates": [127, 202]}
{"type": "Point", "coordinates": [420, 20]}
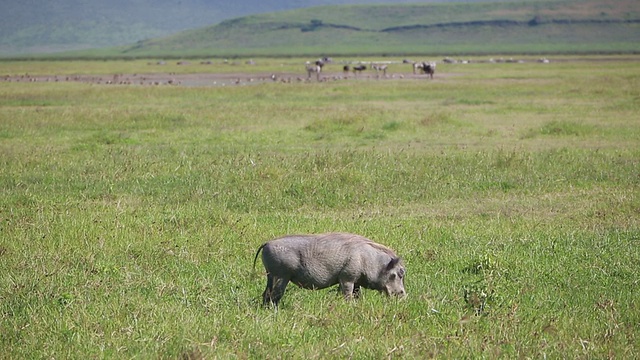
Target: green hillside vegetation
{"type": "Point", "coordinates": [571, 26]}
{"type": "Point", "coordinates": [37, 26]}
{"type": "Point", "coordinates": [46, 26]}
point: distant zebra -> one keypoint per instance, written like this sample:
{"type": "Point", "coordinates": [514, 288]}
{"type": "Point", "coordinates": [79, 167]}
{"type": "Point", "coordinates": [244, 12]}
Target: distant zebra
{"type": "Point", "coordinates": [379, 68]}
{"type": "Point", "coordinates": [313, 68]}
{"type": "Point", "coordinates": [417, 66]}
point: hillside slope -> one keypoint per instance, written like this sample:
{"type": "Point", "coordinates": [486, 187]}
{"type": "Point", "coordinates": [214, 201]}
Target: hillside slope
{"type": "Point", "coordinates": [33, 26]}
{"type": "Point", "coordinates": [523, 27]}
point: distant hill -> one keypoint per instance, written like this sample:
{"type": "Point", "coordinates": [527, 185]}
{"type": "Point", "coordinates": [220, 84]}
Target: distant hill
{"type": "Point", "coordinates": [36, 26]}
{"type": "Point", "coordinates": [556, 26]}
{"type": "Point", "coordinates": [438, 27]}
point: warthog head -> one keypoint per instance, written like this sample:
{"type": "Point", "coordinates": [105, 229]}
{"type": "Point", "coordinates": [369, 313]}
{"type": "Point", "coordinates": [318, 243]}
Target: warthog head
{"type": "Point", "coordinates": [394, 282]}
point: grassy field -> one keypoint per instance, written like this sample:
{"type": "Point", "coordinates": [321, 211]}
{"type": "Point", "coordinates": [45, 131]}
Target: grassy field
{"type": "Point", "coordinates": [130, 215]}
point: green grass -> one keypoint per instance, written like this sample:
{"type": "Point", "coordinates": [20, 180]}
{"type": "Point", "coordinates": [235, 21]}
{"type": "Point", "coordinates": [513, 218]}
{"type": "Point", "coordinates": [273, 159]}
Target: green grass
{"type": "Point", "coordinates": [130, 215]}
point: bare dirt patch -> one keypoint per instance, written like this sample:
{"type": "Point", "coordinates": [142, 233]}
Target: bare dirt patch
{"type": "Point", "coordinates": [216, 79]}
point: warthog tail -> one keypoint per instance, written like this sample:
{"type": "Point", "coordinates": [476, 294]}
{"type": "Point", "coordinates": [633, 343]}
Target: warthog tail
{"type": "Point", "coordinates": [257, 253]}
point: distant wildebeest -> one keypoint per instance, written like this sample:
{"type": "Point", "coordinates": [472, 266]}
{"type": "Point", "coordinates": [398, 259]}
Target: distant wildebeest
{"type": "Point", "coordinates": [359, 68]}
{"type": "Point", "coordinates": [428, 68]}
{"type": "Point", "coordinates": [320, 261]}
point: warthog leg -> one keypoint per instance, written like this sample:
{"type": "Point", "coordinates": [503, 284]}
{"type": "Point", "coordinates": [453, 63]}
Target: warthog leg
{"type": "Point", "coordinates": [356, 292]}
{"type": "Point", "coordinates": [275, 290]}
{"type": "Point", "coordinates": [349, 290]}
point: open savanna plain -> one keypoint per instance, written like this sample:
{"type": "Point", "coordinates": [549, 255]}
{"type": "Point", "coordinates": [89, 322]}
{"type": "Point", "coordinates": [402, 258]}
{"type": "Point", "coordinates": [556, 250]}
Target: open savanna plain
{"type": "Point", "coordinates": [130, 214]}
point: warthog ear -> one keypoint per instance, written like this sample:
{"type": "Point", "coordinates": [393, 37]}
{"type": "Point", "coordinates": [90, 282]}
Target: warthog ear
{"type": "Point", "coordinates": [392, 263]}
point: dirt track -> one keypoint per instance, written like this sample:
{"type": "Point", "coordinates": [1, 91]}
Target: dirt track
{"type": "Point", "coordinates": [214, 79]}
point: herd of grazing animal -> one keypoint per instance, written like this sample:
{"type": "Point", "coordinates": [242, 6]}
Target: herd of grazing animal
{"type": "Point", "coordinates": [313, 69]}
{"type": "Point", "coordinates": [380, 69]}
{"type": "Point", "coordinates": [418, 67]}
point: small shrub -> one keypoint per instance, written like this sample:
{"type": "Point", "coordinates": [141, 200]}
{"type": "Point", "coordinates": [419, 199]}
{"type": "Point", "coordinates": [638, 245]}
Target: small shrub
{"type": "Point", "coordinates": [560, 128]}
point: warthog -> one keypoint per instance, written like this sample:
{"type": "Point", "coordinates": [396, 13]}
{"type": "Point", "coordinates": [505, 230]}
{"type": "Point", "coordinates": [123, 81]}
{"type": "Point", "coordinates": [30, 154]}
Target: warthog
{"type": "Point", "coordinates": [319, 261]}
